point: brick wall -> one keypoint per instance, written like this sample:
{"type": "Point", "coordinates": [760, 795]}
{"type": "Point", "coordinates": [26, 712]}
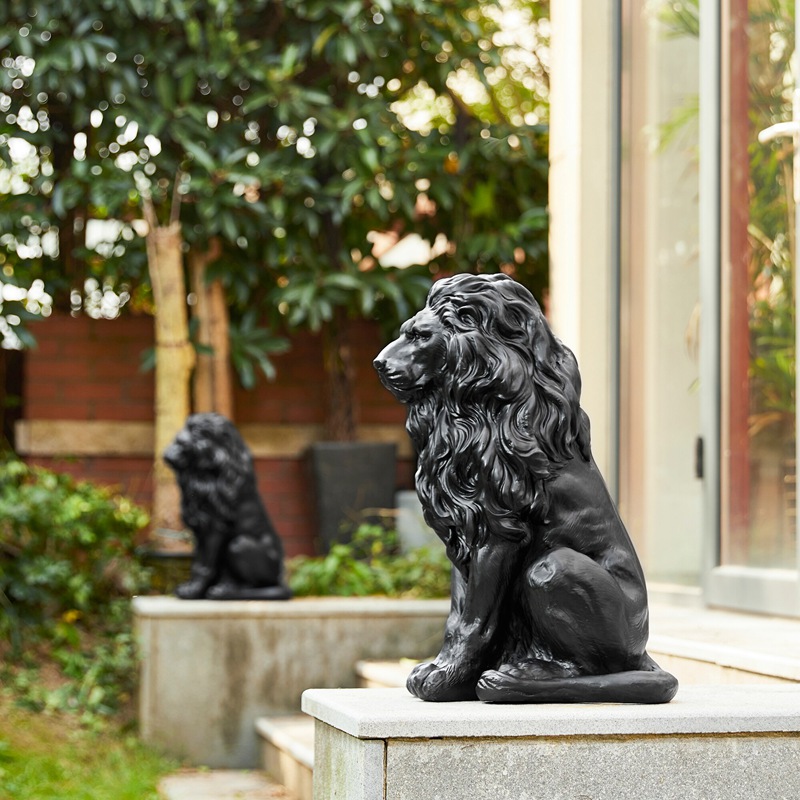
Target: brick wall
{"type": "Point", "coordinates": [89, 370]}
{"type": "Point", "coordinates": [86, 369]}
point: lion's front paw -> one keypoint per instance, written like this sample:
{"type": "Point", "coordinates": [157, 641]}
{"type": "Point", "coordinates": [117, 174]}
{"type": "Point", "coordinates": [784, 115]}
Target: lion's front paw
{"type": "Point", "coordinates": [191, 590]}
{"type": "Point", "coordinates": [436, 683]}
{"type": "Point", "coordinates": [416, 678]}
{"type": "Point", "coordinates": [223, 591]}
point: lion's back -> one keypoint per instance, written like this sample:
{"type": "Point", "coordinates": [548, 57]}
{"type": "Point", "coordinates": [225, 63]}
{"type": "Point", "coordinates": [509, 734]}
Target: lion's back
{"type": "Point", "coordinates": [584, 517]}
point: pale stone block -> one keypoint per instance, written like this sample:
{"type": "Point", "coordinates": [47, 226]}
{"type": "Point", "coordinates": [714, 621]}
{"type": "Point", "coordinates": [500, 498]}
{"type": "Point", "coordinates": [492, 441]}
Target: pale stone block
{"type": "Point", "coordinates": [346, 768]}
{"type": "Point", "coordinates": [210, 669]}
{"type": "Point", "coordinates": [727, 742]}
{"type": "Point", "coordinates": [600, 768]}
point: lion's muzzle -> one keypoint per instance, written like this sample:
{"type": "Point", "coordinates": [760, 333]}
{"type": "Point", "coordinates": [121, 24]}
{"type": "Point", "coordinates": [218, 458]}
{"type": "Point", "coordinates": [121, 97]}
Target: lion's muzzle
{"type": "Point", "coordinates": [392, 380]}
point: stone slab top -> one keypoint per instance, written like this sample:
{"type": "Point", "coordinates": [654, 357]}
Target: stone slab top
{"type": "Point", "coordinates": [718, 709]}
{"type": "Point", "coordinates": [166, 607]}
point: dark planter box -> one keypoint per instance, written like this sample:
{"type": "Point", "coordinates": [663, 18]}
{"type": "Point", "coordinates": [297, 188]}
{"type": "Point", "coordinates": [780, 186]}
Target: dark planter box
{"type": "Point", "coordinates": [350, 477]}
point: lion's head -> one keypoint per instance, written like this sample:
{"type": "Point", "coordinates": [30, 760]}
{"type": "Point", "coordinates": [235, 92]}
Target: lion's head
{"type": "Point", "coordinates": [211, 462]}
{"type": "Point", "coordinates": [493, 406]}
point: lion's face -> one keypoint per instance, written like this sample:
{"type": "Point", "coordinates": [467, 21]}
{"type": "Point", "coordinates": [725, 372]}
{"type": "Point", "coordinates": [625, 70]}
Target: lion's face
{"type": "Point", "coordinates": [411, 363]}
{"type": "Point", "coordinates": [200, 445]}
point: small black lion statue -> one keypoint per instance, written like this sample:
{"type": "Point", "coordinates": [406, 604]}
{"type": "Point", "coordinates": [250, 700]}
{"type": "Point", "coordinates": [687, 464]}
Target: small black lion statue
{"type": "Point", "coordinates": [238, 555]}
{"type": "Point", "coordinates": [548, 600]}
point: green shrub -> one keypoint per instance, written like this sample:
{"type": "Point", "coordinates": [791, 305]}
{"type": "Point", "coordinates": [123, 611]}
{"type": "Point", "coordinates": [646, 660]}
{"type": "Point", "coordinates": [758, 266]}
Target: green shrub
{"type": "Point", "coordinates": [68, 567]}
{"type": "Point", "coordinates": [372, 564]}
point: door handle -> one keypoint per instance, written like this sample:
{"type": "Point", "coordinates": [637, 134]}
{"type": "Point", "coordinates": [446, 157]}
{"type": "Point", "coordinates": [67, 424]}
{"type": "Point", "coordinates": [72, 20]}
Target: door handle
{"type": "Point", "coordinates": [778, 130]}
{"type": "Point", "coordinates": [790, 128]}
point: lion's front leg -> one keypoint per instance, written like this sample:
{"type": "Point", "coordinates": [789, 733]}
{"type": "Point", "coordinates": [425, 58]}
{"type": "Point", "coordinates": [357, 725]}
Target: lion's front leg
{"type": "Point", "coordinates": [205, 565]}
{"type": "Point", "coordinates": [435, 680]}
{"type": "Point", "coordinates": [471, 629]}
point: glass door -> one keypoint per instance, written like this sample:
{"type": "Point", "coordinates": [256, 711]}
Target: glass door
{"type": "Point", "coordinates": [660, 492]}
{"type": "Point", "coordinates": [754, 487]}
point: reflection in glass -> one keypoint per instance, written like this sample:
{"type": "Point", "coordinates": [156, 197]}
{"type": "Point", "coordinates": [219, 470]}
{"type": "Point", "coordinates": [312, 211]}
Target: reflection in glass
{"type": "Point", "coordinates": [660, 494]}
{"type": "Point", "coordinates": [758, 325]}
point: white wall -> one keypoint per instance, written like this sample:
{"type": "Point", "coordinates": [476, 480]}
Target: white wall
{"type": "Point", "coordinates": [580, 203]}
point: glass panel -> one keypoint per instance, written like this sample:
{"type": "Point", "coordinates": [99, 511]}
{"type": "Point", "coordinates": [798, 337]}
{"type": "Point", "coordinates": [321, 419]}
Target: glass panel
{"type": "Point", "coordinates": [758, 471]}
{"type": "Point", "coordinates": [660, 495]}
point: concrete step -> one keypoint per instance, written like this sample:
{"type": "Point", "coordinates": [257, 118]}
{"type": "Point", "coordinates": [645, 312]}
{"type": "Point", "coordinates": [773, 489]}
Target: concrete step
{"type": "Point", "coordinates": [376, 674]}
{"type": "Point", "coordinates": [706, 645]}
{"type": "Point", "coordinates": [287, 747]}
{"type": "Point", "coordinates": [220, 784]}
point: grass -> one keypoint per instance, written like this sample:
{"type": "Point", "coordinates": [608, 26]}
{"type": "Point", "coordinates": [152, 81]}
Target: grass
{"type": "Point", "coordinates": [49, 757]}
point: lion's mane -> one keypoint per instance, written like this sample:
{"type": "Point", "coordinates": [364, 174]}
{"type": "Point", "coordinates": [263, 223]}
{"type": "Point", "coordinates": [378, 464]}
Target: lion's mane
{"type": "Point", "coordinates": [498, 422]}
{"type": "Point", "coordinates": [214, 472]}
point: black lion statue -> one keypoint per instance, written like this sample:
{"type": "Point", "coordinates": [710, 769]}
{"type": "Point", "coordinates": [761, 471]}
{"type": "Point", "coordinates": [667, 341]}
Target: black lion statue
{"type": "Point", "coordinates": [548, 599]}
{"type": "Point", "coordinates": [238, 555]}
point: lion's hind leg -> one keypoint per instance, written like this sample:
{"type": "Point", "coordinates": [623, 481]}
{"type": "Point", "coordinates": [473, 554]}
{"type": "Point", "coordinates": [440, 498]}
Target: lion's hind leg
{"type": "Point", "coordinates": [254, 561]}
{"type": "Point", "coordinates": [587, 640]}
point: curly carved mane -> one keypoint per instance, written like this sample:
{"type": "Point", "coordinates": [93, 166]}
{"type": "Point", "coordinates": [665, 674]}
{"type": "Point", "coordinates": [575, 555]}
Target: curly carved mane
{"type": "Point", "coordinates": [216, 466]}
{"type": "Point", "coordinates": [500, 420]}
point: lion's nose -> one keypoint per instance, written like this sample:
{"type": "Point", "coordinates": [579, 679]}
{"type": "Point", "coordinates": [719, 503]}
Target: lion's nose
{"type": "Point", "coordinates": [379, 364]}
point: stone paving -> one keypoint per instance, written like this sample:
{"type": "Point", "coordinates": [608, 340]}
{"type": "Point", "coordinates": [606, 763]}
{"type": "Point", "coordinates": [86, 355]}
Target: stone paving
{"type": "Point", "coordinates": [220, 784]}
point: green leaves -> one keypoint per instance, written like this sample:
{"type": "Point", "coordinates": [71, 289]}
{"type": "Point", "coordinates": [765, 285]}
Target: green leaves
{"type": "Point", "coordinates": [371, 564]}
{"type": "Point", "coordinates": [251, 348]}
{"type": "Point", "coordinates": [69, 566]}
{"type": "Point", "coordinates": [199, 153]}
{"type": "Point", "coordinates": [66, 546]}
{"type": "Point", "coordinates": [388, 294]}
{"type": "Point", "coordinates": [299, 130]}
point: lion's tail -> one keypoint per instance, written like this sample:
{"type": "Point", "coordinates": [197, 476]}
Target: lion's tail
{"type": "Point", "coordinates": [649, 685]}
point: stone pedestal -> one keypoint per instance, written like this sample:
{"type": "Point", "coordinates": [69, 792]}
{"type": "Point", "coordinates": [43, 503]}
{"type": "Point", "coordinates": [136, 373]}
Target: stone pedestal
{"type": "Point", "coordinates": [210, 669]}
{"type": "Point", "coordinates": [726, 742]}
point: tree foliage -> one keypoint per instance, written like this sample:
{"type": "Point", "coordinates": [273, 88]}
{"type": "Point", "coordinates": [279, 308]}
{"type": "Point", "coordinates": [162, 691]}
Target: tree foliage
{"type": "Point", "coordinates": [290, 132]}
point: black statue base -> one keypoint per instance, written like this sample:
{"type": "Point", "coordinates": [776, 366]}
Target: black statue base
{"type": "Point", "coordinates": [548, 598]}
{"type": "Point", "coordinates": [238, 554]}
{"type": "Point", "coordinates": [634, 686]}
{"type": "Point", "coordinates": [233, 592]}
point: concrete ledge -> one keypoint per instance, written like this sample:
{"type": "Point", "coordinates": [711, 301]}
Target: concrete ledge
{"type": "Point", "coordinates": [711, 742]}
{"type": "Point", "coordinates": [65, 437]}
{"type": "Point", "coordinates": [209, 669]}
{"type": "Point", "coordinates": [161, 607]}
{"type": "Point", "coordinates": [395, 714]}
